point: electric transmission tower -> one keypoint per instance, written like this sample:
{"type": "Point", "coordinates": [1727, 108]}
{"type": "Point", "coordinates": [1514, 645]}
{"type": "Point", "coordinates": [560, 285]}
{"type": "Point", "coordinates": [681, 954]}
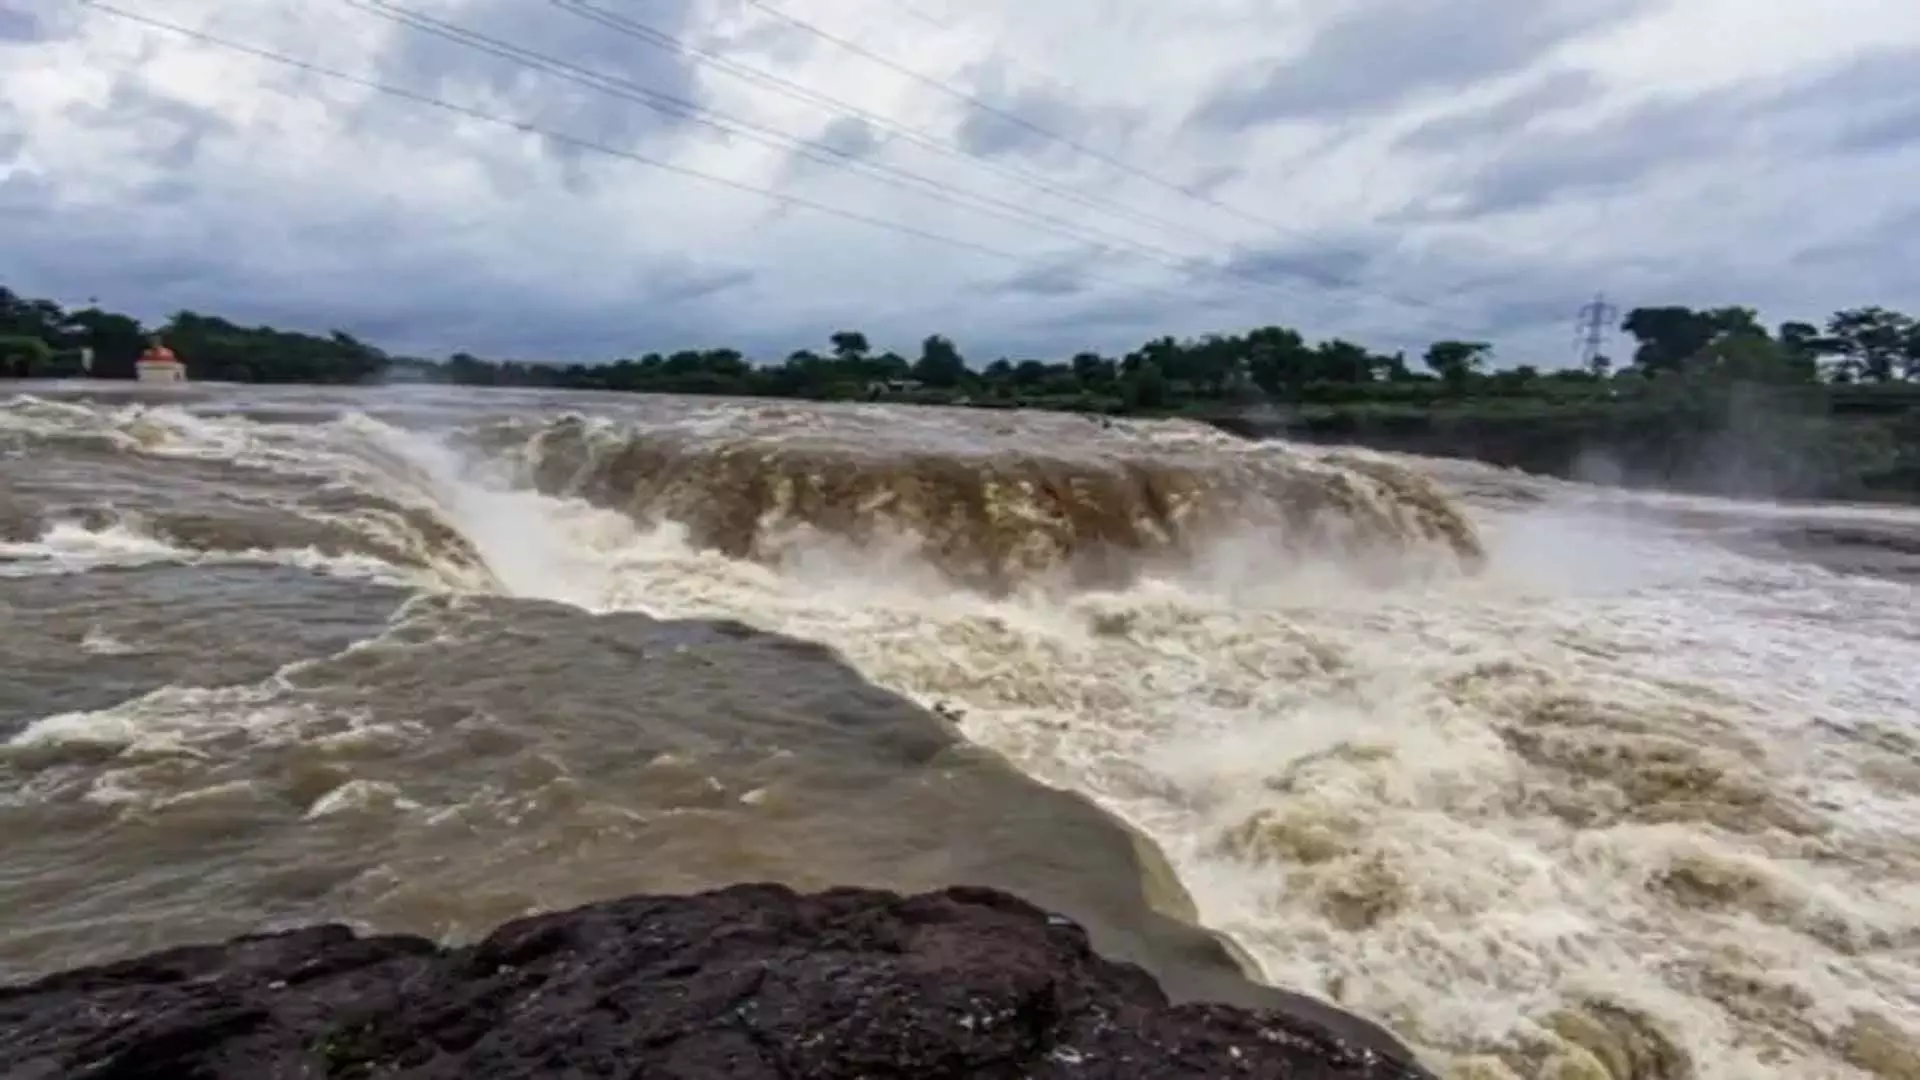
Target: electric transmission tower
{"type": "Point", "coordinates": [1596, 319]}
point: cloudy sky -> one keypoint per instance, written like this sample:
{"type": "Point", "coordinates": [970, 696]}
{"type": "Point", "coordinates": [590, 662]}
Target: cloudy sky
{"type": "Point", "coordinates": [1028, 177]}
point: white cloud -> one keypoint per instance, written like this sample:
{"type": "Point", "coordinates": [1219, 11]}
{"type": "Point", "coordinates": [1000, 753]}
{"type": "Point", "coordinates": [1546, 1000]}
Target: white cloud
{"type": "Point", "coordinates": [1496, 161]}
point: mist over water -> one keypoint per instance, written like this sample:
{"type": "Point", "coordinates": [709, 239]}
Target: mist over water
{"type": "Point", "coordinates": [1554, 781]}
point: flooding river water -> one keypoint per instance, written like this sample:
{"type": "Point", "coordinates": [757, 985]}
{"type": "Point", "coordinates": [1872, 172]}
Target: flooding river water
{"type": "Point", "coordinates": [1552, 780]}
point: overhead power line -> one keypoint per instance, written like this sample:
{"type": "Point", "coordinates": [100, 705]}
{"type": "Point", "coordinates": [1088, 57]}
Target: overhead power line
{"type": "Point", "coordinates": [1053, 136]}
{"type": "Point", "coordinates": [563, 138]}
{"type": "Point", "coordinates": [660, 39]}
{"type": "Point", "coordinates": [751, 131]}
{"type": "Point", "coordinates": [1005, 114]}
{"type": "Point", "coordinates": [755, 132]}
{"type": "Point", "coordinates": [533, 129]}
{"type": "Point", "coordinates": [699, 114]}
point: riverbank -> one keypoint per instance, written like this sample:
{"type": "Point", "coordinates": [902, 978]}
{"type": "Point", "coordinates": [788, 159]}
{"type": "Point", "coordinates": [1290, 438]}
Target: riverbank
{"type": "Point", "coordinates": [1820, 443]}
{"type": "Point", "coordinates": [1759, 448]}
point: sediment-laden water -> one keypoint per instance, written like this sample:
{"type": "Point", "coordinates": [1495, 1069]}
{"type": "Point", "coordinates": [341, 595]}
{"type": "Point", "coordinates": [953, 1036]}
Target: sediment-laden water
{"type": "Point", "coordinates": [1554, 781]}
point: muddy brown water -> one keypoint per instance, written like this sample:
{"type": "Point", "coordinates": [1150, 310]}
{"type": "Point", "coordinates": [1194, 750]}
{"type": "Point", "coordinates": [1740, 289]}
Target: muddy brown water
{"type": "Point", "coordinates": [1543, 777]}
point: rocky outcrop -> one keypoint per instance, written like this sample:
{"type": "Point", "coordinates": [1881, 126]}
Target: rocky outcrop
{"type": "Point", "coordinates": [749, 981]}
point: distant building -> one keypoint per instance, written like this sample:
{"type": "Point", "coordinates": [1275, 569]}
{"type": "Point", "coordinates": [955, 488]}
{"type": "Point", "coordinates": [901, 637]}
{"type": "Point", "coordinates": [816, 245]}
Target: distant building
{"type": "Point", "coordinates": [159, 365]}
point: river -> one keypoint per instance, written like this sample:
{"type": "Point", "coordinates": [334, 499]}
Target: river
{"type": "Point", "coordinates": [1553, 780]}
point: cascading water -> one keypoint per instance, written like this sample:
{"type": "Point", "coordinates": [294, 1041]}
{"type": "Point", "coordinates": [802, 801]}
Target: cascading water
{"type": "Point", "coordinates": [1594, 793]}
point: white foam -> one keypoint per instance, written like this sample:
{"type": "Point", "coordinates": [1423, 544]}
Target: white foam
{"type": "Point", "coordinates": [1190, 709]}
{"type": "Point", "coordinates": [67, 547]}
{"type": "Point", "coordinates": [1379, 791]}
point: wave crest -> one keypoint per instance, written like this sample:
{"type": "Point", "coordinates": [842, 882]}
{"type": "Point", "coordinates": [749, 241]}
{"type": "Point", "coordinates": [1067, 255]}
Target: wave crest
{"type": "Point", "coordinates": [994, 513]}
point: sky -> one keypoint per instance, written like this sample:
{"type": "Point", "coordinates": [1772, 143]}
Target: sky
{"type": "Point", "coordinates": [608, 177]}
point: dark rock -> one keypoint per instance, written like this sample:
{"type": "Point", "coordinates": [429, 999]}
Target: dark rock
{"type": "Point", "coordinates": [750, 981]}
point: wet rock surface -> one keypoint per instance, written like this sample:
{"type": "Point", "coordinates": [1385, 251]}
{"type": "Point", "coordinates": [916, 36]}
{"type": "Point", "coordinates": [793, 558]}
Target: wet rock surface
{"type": "Point", "coordinates": [750, 981]}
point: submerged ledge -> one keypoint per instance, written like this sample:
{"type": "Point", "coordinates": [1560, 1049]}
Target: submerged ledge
{"type": "Point", "coordinates": [749, 981]}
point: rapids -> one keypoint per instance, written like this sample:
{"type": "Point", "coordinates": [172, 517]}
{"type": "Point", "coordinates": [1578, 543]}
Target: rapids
{"type": "Point", "coordinates": [1555, 781]}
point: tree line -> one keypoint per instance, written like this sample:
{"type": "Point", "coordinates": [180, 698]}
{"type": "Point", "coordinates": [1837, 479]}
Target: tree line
{"type": "Point", "coordinates": [1864, 348]}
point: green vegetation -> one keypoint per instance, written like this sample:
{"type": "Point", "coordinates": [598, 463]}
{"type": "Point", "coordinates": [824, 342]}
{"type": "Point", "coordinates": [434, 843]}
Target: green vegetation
{"type": "Point", "coordinates": [1783, 393]}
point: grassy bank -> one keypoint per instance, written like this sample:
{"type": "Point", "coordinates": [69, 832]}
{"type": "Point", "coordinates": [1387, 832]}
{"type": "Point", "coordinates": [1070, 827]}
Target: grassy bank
{"type": "Point", "coordinates": [1710, 400]}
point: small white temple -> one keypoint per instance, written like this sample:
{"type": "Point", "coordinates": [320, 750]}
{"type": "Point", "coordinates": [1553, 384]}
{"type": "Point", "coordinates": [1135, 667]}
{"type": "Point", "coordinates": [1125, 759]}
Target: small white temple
{"type": "Point", "coordinates": [159, 365]}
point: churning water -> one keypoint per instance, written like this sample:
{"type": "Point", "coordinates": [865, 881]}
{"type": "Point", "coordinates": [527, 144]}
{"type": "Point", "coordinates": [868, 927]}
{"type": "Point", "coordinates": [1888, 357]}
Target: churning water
{"type": "Point", "coordinates": [1554, 781]}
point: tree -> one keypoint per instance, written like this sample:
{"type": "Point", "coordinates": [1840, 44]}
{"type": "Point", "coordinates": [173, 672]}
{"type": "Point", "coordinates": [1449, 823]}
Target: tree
{"type": "Point", "coordinates": [1735, 322]}
{"type": "Point", "coordinates": [21, 317]}
{"type": "Point", "coordinates": [1872, 342]}
{"type": "Point", "coordinates": [1685, 356]}
{"type": "Point", "coordinates": [116, 340]}
{"type": "Point", "coordinates": [726, 363]}
{"type": "Point", "coordinates": [1163, 353]}
{"type": "Point", "coordinates": [849, 344]}
{"type": "Point", "coordinates": [1093, 370]}
{"type": "Point", "coordinates": [1029, 373]}
{"type": "Point", "coordinates": [1213, 363]}
{"type": "Point", "coordinates": [1145, 387]}
{"type": "Point", "coordinates": [1456, 362]}
{"type": "Point", "coordinates": [1803, 348]}
{"type": "Point", "coordinates": [1278, 360]}
{"type": "Point", "coordinates": [1344, 361]}
{"type": "Point", "coordinates": [1667, 336]}
{"type": "Point", "coordinates": [23, 357]}
{"type": "Point", "coordinates": [940, 364]}
{"type": "Point", "coordinates": [1747, 358]}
